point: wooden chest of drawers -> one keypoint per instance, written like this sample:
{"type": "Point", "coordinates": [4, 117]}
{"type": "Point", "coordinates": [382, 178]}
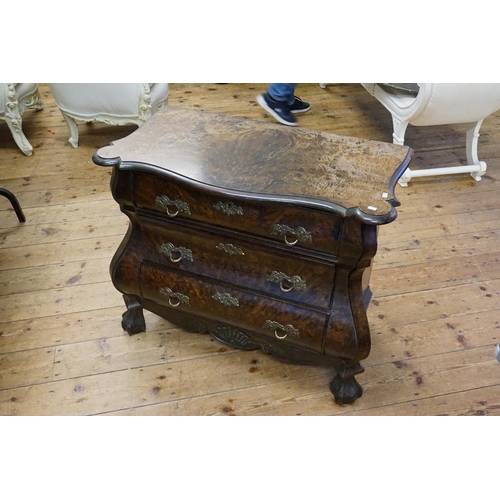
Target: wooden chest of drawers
{"type": "Point", "coordinates": [260, 234]}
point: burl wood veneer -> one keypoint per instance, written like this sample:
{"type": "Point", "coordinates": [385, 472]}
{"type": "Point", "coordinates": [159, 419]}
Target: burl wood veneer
{"type": "Point", "coordinates": [260, 234]}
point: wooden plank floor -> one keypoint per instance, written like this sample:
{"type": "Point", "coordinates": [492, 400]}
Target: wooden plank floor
{"type": "Point", "coordinates": [435, 315]}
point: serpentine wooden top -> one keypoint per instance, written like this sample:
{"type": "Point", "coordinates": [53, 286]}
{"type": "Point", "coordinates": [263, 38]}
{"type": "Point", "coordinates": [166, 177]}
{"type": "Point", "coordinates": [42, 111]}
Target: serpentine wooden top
{"type": "Point", "coordinates": [266, 160]}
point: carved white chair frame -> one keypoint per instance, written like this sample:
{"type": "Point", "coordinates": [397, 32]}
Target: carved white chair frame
{"type": "Point", "coordinates": [433, 106]}
{"type": "Point", "coordinates": [144, 111]}
{"type": "Point", "coordinates": [15, 106]}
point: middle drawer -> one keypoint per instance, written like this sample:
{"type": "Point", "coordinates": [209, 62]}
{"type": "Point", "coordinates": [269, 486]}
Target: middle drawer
{"type": "Point", "coordinates": [241, 263]}
{"type": "Point", "coordinates": [274, 319]}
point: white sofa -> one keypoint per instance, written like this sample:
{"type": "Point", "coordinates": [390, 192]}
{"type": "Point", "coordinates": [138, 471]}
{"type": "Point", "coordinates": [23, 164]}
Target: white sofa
{"type": "Point", "coordinates": [112, 103]}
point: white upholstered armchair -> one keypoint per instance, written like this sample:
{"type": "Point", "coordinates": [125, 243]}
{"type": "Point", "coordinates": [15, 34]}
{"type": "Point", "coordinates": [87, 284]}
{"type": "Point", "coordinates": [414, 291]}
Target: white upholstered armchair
{"type": "Point", "coordinates": [15, 99]}
{"type": "Point", "coordinates": [112, 103]}
{"type": "Point", "coordinates": [440, 104]}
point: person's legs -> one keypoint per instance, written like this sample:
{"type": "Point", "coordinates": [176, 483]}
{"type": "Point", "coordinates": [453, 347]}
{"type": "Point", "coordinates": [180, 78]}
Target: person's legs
{"type": "Point", "coordinates": [283, 92]}
{"type": "Point", "coordinates": [281, 103]}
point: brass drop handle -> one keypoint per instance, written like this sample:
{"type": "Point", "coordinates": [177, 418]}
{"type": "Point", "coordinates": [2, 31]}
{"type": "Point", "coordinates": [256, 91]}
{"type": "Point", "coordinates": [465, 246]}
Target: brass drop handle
{"type": "Point", "coordinates": [176, 254]}
{"type": "Point", "coordinates": [288, 288]}
{"type": "Point", "coordinates": [291, 243]}
{"type": "Point", "coordinates": [172, 214]}
{"type": "Point", "coordinates": [287, 283]}
{"type": "Point", "coordinates": [172, 207]}
{"type": "Point", "coordinates": [299, 234]}
{"type": "Point", "coordinates": [174, 299]}
{"type": "Point", "coordinates": [282, 337]}
{"type": "Point", "coordinates": [176, 260]}
{"type": "Point", "coordinates": [277, 327]}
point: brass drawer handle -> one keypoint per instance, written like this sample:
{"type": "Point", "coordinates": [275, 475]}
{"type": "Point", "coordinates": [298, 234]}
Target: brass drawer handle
{"type": "Point", "coordinates": [300, 234]}
{"type": "Point", "coordinates": [176, 254]}
{"type": "Point", "coordinates": [172, 207]}
{"type": "Point", "coordinates": [287, 329]}
{"type": "Point", "coordinates": [175, 299]}
{"type": "Point", "coordinates": [287, 283]}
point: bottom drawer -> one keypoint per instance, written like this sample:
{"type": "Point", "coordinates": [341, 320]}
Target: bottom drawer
{"type": "Point", "coordinates": [288, 323]}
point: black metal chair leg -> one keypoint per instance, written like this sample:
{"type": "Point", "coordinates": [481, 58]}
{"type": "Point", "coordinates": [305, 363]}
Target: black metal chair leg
{"type": "Point", "coordinates": [15, 204]}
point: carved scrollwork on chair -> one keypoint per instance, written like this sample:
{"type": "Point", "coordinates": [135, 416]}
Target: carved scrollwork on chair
{"type": "Point", "coordinates": [15, 99]}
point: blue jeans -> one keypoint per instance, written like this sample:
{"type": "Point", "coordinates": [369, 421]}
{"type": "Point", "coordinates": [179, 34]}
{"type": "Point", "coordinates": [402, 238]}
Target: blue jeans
{"type": "Point", "coordinates": [283, 92]}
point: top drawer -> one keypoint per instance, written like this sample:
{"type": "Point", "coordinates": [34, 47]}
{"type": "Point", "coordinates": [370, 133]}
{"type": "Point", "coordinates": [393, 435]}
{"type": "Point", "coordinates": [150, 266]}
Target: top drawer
{"type": "Point", "coordinates": [278, 221]}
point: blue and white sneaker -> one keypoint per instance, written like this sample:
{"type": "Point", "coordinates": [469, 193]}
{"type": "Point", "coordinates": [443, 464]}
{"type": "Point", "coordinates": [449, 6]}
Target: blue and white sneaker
{"type": "Point", "coordinates": [299, 106]}
{"type": "Point", "coordinates": [278, 110]}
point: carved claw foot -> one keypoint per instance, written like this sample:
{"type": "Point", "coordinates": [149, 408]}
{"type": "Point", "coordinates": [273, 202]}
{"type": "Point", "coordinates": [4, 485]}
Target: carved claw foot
{"type": "Point", "coordinates": [133, 318]}
{"type": "Point", "coordinates": [344, 387]}
{"type": "Point", "coordinates": [345, 391]}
